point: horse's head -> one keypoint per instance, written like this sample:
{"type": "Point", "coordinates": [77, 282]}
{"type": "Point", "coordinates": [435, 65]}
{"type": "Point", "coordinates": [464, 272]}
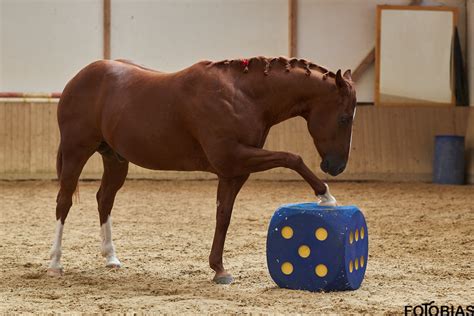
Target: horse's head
{"type": "Point", "coordinates": [330, 124]}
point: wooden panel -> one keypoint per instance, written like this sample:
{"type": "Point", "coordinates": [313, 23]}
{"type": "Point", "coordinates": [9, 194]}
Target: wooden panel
{"type": "Point", "coordinates": [394, 142]}
{"type": "Point", "coordinates": [388, 143]}
{"type": "Point", "coordinates": [399, 142]}
{"type": "Point", "coordinates": [44, 137]}
{"type": "Point", "coordinates": [15, 143]}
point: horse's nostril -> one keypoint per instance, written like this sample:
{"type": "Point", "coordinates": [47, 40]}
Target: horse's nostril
{"type": "Point", "coordinates": [325, 165]}
{"type": "Point", "coordinates": [340, 169]}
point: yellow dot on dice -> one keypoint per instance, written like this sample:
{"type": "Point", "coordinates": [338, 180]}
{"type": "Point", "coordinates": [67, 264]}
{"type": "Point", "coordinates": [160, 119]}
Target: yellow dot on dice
{"type": "Point", "coordinates": [287, 268]}
{"type": "Point", "coordinates": [356, 263]}
{"type": "Point", "coordinates": [321, 270]}
{"type": "Point", "coordinates": [287, 232]}
{"type": "Point", "coordinates": [321, 234]}
{"type": "Point", "coordinates": [304, 251]}
{"type": "Point", "coordinates": [356, 235]}
{"type": "Point", "coordinates": [362, 261]}
{"type": "Point", "coordinates": [351, 266]}
{"type": "Point", "coordinates": [362, 233]}
{"type": "Point", "coordinates": [351, 238]}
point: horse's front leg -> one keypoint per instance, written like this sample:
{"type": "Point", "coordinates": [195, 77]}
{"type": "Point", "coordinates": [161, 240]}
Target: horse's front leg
{"type": "Point", "coordinates": [251, 159]}
{"type": "Point", "coordinates": [227, 190]}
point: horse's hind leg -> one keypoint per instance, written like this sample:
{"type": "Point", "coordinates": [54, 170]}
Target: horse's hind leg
{"type": "Point", "coordinates": [115, 172]}
{"type": "Point", "coordinates": [227, 191]}
{"type": "Point", "coordinates": [71, 160]}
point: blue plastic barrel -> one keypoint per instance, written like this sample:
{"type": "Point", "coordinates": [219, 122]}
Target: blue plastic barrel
{"type": "Point", "coordinates": [448, 165]}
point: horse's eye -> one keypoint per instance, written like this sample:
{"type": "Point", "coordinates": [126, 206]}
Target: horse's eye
{"type": "Point", "coordinates": [345, 119]}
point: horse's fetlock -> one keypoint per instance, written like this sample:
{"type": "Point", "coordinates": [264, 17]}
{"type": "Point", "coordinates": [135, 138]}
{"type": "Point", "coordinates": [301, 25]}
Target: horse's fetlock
{"type": "Point", "coordinates": [215, 263]}
{"type": "Point", "coordinates": [107, 249]}
{"type": "Point", "coordinates": [55, 253]}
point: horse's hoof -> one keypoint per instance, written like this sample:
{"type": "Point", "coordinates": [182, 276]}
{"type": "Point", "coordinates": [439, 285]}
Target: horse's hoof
{"type": "Point", "coordinates": [55, 272]}
{"type": "Point", "coordinates": [223, 279]}
{"type": "Point", "coordinates": [113, 266]}
{"type": "Point", "coordinates": [113, 263]}
{"type": "Point", "coordinates": [328, 203]}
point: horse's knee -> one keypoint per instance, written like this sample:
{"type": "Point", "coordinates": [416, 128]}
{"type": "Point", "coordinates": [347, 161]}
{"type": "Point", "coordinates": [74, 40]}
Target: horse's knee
{"type": "Point", "coordinates": [294, 161]}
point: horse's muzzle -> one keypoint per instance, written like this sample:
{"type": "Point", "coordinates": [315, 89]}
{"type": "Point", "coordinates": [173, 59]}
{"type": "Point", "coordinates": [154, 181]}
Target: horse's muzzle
{"type": "Point", "coordinates": [333, 166]}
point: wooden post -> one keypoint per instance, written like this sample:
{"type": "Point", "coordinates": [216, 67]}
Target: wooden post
{"type": "Point", "coordinates": [106, 29]}
{"type": "Point", "coordinates": [292, 19]}
{"type": "Point", "coordinates": [364, 65]}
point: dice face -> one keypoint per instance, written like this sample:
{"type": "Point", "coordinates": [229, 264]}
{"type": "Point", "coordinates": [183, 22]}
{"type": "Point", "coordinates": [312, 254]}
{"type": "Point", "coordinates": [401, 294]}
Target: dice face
{"type": "Point", "coordinates": [356, 250]}
{"type": "Point", "coordinates": [308, 247]}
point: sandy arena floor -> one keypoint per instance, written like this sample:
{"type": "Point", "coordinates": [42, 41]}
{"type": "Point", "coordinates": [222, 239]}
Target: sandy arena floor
{"type": "Point", "coordinates": [421, 249]}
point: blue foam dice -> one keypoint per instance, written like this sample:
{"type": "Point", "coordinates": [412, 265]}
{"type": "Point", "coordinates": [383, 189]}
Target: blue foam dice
{"type": "Point", "coordinates": [317, 248]}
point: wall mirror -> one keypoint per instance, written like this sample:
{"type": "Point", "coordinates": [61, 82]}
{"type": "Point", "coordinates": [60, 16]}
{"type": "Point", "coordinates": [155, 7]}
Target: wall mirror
{"type": "Point", "coordinates": [414, 55]}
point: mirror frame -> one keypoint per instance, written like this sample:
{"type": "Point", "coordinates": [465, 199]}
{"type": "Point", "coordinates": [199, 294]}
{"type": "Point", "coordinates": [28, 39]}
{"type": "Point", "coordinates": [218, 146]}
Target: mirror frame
{"type": "Point", "coordinates": [380, 8]}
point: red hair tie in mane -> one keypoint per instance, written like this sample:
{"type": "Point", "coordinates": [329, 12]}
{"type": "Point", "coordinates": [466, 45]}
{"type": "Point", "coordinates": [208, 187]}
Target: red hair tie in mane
{"type": "Point", "coordinates": [245, 62]}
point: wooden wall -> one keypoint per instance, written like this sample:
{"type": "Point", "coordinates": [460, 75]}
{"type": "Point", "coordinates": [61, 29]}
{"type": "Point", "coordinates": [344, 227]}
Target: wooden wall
{"type": "Point", "coordinates": [388, 144]}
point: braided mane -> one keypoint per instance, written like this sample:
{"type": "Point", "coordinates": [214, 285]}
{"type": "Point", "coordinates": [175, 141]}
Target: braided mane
{"type": "Point", "coordinates": [288, 63]}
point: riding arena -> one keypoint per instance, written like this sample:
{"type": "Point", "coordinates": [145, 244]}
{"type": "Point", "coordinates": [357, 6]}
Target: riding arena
{"type": "Point", "coordinates": [237, 157]}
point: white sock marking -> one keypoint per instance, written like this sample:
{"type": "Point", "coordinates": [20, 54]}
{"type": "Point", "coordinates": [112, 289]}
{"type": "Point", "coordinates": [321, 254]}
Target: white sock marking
{"type": "Point", "coordinates": [327, 199]}
{"type": "Point", "coordinates": [55, 254]}
{"type": "Point", "coordinates": [108, 248]}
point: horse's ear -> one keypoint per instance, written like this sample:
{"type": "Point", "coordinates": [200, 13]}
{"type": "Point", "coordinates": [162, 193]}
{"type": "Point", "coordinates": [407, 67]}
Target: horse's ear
{"type": "Point", "coordinates": [348, 75]}
{"type": "Point", "coordinates": [340, 82]}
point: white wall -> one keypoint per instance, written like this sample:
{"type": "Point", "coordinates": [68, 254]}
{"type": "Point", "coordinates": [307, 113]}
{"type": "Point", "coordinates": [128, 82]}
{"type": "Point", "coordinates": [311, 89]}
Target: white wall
{"type": "Point", "coordinates": [43, 43]}
{"type": "Point", "coordinates": [171, 35]}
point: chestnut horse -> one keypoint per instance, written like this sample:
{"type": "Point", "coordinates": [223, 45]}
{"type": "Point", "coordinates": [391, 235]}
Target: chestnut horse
{"type": "Point", "coordinates": [212, 116]}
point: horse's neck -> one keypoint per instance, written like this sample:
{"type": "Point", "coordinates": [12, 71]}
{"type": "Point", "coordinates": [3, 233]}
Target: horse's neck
{"type": "Point", "coordinates": [282, 96]}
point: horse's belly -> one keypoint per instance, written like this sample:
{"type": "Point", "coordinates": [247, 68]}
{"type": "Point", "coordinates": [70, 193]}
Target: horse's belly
{"type": "Point", "coordinates": [169, 158]}
{"type": "Point", "coordinates": [165, 150]}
